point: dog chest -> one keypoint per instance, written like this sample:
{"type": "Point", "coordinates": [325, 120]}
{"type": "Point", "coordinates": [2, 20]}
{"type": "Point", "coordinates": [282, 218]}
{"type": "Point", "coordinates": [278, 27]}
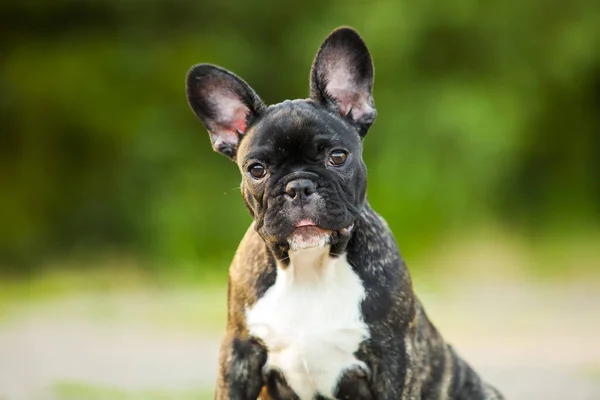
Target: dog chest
{"type": "Point", "coordinates": [311, 324]}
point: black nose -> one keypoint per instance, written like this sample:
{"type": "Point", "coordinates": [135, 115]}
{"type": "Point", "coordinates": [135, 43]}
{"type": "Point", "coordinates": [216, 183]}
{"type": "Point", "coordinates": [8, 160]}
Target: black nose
{"type": "Point", "coordinates": [300, 188]}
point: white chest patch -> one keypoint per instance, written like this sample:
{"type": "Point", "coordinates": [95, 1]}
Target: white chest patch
{"type": "Point", "coordinates": [310, 321]}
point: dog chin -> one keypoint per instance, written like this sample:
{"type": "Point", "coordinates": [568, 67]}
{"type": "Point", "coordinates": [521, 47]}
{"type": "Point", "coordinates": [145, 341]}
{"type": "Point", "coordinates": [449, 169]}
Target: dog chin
{"type": "Point", "coordinates": [309, 237]}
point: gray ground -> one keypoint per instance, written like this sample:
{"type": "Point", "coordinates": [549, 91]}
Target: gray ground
{"type": "Point", "coordinates": [532, 343]}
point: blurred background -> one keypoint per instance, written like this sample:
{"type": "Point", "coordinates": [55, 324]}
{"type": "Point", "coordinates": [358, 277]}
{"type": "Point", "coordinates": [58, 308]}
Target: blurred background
{"type": "Point", "coordinates": [118, 222]}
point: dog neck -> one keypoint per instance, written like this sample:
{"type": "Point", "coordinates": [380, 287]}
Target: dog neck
{"type": "Point", "coordinates": [309, 265]}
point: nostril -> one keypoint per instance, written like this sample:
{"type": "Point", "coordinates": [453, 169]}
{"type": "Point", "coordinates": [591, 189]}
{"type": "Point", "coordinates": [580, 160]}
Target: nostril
{"type": "Point", "coordinates": [304, 187]}
{"type": "Point", "coordinates": [290, 191]}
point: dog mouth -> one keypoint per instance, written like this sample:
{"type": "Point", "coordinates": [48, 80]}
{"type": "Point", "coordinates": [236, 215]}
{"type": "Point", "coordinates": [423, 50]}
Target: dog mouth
{"type": "Point", "coordinates": [307, 234]}
{"type": "Point", "coordinates": [305, 223]}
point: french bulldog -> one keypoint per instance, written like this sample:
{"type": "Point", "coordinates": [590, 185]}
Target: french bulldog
{"type": "Point", "coordinates": [320, 302]}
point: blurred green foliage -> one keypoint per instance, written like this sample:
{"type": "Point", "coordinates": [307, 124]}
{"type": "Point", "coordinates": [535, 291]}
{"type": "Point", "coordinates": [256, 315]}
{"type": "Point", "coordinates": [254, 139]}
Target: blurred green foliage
{"type": "Point", "coordinates": [488, 111]}
{"type": "Point", "coordinates": [70, 390]}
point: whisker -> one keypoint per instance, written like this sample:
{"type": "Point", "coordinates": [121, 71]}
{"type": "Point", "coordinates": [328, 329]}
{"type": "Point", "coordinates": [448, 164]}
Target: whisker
{"type": "Point", "coordinates": [234, 188]}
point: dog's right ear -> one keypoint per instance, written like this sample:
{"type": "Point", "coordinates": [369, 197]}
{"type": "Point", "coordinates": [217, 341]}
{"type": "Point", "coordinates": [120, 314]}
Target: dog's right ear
{"type": "Point", "coordinates": [224, 103]}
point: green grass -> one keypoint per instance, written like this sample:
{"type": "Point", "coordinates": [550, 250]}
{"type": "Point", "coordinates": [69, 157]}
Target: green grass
{"type": "Point", "coordinates": [116, 294]}
{"type": "Point", "coordinates": [68, 390]}
{"type": "Point", "coordinates": [492, 253]}
{"type": "Point", "coordinates": [183, 297]}
{"type": "Point", "coordinates": [591, 372]}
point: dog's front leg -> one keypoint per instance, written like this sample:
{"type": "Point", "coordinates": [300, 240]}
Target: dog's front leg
{"type": "Point", "coordinates": [240, 368]}
{"type": "Point", "coordinates": [392, 371]}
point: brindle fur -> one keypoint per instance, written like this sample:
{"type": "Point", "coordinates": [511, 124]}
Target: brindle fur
{"type": "Point", "coordinates": [407, 357]}
{"type": "Point", "coordinates": [404, 355]}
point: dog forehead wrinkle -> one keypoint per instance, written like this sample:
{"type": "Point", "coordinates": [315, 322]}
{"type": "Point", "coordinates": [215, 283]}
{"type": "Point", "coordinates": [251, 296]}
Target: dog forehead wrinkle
{"type": "Point", "coordinates": [258, 152]}
{"type": "Point", "coordinates": [294, 125]}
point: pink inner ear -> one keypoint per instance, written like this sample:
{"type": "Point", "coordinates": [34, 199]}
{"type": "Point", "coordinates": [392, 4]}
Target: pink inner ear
{"type": "Point", "coordinates": [239, 123]}
{"type": "Point", "coordinates": [231, 112]}
{"type": "Point", "coordinates": [230, 118]}
{"type": "Point", "coordinates": [348, 95]}
{"type": "Point", "coordinates": [350, 100]}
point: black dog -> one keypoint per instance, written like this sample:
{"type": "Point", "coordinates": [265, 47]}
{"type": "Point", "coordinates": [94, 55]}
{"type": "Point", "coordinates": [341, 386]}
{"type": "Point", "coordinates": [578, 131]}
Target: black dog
{"type": "Point", "coordinates": [320, 303]}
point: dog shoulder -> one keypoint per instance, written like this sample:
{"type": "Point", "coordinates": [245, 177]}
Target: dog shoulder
{"type": "Point", "coordinates": [251, 273]}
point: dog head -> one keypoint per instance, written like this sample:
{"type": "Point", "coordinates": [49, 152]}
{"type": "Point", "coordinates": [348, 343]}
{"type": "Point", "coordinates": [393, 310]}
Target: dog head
{"type": "Point", "coordinates": [303, 177]}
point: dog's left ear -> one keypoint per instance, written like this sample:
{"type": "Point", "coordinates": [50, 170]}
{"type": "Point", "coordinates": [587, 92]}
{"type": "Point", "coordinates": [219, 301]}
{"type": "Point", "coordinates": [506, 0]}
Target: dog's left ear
{"type": "Point", "coordinates": [342, 78]}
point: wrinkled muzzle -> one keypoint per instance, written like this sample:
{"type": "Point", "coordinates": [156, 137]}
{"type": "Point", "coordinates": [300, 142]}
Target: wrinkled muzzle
{"type": "Point", "coordinates": [306, 210]}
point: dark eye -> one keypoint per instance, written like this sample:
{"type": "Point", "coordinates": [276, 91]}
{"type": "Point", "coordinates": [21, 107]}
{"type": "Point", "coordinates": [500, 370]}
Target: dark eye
{"type": "Point", "coordinates": [257, 171]}
{"type": "Point", "coordinates": [337, 158]}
